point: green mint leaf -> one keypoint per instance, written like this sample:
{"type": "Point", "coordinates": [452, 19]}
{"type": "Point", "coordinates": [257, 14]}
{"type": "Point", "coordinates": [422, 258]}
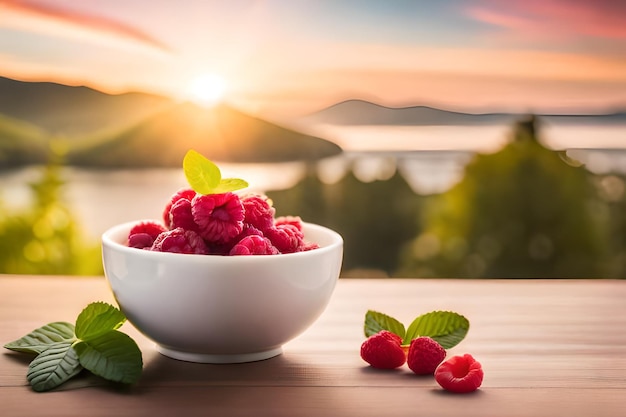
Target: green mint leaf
{"type": "Point", "coordinates": [43, 337]}
{"type": "Point", "coordinates": [98, 318]}
{"type": "Point", "coordinates": [204, 177]}
{"type": "Point", "coordinates": [112, 355]}
{"type": "Point", "coordinates": [52, 367]}
{"type": "Point", "coordinates": [446, 327]}
{"type": "Point", "coordinates": [229, 184]}
{"type": "Point", "coordinates": [375, 322]}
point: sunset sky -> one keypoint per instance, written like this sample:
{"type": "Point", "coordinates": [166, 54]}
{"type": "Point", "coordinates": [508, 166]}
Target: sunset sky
{"type": "Point", "coordinates": [293, 57]}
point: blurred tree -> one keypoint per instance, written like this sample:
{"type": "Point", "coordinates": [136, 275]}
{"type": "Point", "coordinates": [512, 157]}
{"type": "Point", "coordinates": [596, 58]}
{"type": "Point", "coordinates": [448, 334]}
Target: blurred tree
{"type": "Point", "coordinates": [375, 218]}
{"type": "Point", "coordinates": [613, 194]}
{"type": "Point", "coordinates": [45, 238]}
{"type": "Point", "coordinates": [519, 213]}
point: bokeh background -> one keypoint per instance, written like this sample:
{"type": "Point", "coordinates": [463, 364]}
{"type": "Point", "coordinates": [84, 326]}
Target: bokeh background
{"type": "Point", "coordinates": [465, 139]}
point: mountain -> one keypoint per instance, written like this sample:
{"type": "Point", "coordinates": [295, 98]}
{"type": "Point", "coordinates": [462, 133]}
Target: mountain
{"type": "Point", "coordinates": [136, 129]}
{"type": "Point", "coordinates": [360, 112]}
{"type": "Point", "coordinates": [221, 133]}
{"type": "Point", "coordinates": [69, 111]}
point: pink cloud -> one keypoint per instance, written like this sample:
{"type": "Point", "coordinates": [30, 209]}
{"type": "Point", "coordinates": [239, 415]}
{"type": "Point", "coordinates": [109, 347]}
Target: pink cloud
{"type": "Point", "coordinates": [92, 24]}
{"type": "Point", "coordinates": [555, 19]}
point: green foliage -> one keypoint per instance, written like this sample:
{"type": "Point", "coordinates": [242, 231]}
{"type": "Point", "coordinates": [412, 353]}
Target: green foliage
{"type": "Point", "coordinates": [375, 219]}
{"type": "Point", "coordinates": [44, 238]}
{"type": "Point", "coordinates": [445, 327]}
{"type": "Point", "coordinates": [93, 343]}
{"type": "Point", "coordinates": [521, 212]}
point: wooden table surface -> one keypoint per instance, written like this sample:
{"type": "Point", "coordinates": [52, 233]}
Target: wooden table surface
{"type": "Point", "coordinates": [548, 348]}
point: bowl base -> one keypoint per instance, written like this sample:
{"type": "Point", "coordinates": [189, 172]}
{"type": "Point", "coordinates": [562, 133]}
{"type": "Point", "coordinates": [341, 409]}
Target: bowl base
{"type": "Point", "coordinates": [218, 358]}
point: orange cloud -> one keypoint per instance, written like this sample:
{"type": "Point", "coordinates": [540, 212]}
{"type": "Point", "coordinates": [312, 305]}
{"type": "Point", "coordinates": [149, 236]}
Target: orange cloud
{"type": "Point", "coordinates": [35, 17]}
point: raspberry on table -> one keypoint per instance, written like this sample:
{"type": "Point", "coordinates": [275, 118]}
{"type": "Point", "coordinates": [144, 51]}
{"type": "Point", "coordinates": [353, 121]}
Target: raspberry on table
{"type": "Point", "coordinates": [219, 216]}
{"type": "Point", "coordinates": [425, 354]}
{"type": "Point", "coordinates": [254, 245]}
{"type": "Point", "coordinates": [461, 374]}
{"type": "Point", "coordinates": [180, 240]}
{"type": "Point", "coordinates": [383, 350]}
{"type": "Point", "coordinates": [184, 193]}
{"type": "Point", "coordinates": [258, 211]}
{"type": "Point", "coordinates": [142, 235]}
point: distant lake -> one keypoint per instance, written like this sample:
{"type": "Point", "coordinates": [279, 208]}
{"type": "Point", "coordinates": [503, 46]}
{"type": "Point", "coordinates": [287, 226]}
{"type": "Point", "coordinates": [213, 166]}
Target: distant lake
{"type": "Point", "coordinates": [431, 159]}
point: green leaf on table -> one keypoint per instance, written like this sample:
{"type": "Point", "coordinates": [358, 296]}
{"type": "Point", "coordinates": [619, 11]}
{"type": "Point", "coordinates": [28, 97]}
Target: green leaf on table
{"type": "Point", "coordinates": [446, 327]}
{"type": "Point", "coordinates": [204, 177]}
{"type": "Point", "coordinates": [112, 355]}
{"type": "Point", "coordinates": [52, 367]}
{"type": "Point", "coordinates": [376, 321]}
{"type": "Point", "coordinates": [43, 337]}
{"type": "Point", "coordinates": [98, 318]}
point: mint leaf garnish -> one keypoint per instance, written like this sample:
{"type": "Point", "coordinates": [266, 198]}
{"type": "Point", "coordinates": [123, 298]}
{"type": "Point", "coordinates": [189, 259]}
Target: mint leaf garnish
{"type": "Point", "coordinates": [204, 177]}
{"type": "Point", "coordinates": [43, 337]}
{"type": "Point", "coordinates": [375, 322]}
{"type": "Point", "coordinates": [445, 327]}
{"type": "Point", "coordinates": [94, 343]}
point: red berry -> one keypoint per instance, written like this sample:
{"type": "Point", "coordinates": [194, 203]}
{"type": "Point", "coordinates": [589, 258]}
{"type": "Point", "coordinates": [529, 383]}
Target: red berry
{"type": "Point", "coordinates": [286, 237]}
{"type": "Point", "coordinates": [140, 241]}
{"type": "Point", "coordinates": [258, 211]}
{"type": "Point", "coordinates": [181, 216]}
{"type": "Point", "coordinates": [425, 354]}
{"type": "Point", "coordinates": [293, 220]}
{"type": "Point", "coordinates": [460, 374]}
{"type": "Point", "coordinates": [185, 193]}
{"type": "Point", "coordinates": [180, 240]}
{"type": "Point", "coordinates": [219, 216]}
{"type": "Point", "coordinates": [383, 350]}
{"type": "Point", "coordinates": [254, 245]}
{"type": "Point", "coordinates": [143, 234]}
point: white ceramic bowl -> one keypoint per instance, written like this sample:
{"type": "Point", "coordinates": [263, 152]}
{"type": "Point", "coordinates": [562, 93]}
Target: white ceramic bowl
{"type": "Point", "coordinates": [222, 309]}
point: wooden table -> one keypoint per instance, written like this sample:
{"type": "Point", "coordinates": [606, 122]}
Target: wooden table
{"type": "Point", "coordinates": [548, 348]}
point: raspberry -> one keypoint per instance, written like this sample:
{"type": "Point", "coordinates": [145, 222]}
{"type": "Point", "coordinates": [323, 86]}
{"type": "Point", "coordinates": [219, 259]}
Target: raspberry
{"type": "Point", "coordinates": [258, 211]}
{"type": "Point", "coordinates": [142, 234]}
{"type": "Point", "coordinates": [309, 246]}
{"type": "Point", "coordinates": [254, 245]}
{"type": "Point", "coordinates": [425, 354]}
{"type": "Point", "coordinates": [460, 374]}
{"type": "Point", "coordinates": [225, 248]}
{"type": "Point", "coordinates": [180, 240]}
{"type": "Point", "coordinates": [140, 241]}
{"type": "Point", "coordinates": [181, 216]}
{"type": "Point", "coordinates": [185, 193]}
{"type": "Point", "coordinates": [286, 237]}
{"type": "Point", "coordinates": [219, 216]}
{"type": "Point", "coordinates": [293, 220]}
{"type": "Point", "coordinates": [383, 350]}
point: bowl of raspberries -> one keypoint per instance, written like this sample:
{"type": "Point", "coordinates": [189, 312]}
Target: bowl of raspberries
{"type": "Point", "coordinates": [220, 278]}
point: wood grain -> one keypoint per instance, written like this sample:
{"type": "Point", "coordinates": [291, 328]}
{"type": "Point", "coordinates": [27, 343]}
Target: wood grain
{"type": "Point", "coordinates": [548, 348]}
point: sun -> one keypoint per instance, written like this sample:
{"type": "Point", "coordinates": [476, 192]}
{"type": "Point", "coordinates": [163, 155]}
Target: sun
{"type": "Point", "coordinates": [207, 89]}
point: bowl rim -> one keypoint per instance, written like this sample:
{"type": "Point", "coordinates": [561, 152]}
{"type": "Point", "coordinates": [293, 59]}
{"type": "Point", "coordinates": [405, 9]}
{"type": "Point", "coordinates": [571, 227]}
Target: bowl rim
{"type": "Point", "coordinates": [107, 240]}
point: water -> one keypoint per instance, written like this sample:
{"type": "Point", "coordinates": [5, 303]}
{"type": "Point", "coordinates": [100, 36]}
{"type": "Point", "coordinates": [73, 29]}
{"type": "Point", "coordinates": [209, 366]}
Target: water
{"type": "Point", "coordinates": [101, 199]}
